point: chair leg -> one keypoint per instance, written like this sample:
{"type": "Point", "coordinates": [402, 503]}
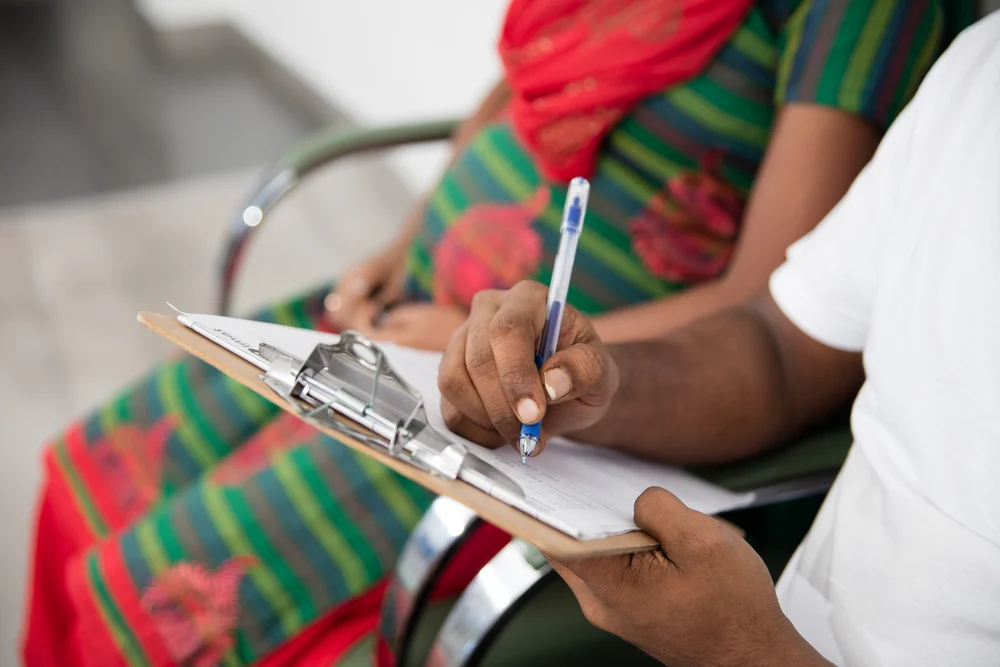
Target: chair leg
{"type": "Point", "coordinates": [492, 598]}
{"type": "Point", "coordinates": [445, 526]}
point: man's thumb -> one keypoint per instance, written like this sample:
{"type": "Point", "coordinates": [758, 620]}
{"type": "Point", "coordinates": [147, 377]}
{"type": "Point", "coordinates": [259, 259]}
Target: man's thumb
{"type": "Point", "coordinates": [661, 515]}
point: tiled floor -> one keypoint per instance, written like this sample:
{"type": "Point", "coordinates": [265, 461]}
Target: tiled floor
{"type": "Point", "coordinates": [74, 275]}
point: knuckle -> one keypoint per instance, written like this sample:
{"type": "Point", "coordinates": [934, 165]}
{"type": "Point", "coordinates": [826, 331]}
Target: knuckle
{"type": "Point", "coordinates": [451, 382]}
{"type": "Point", "coordinates": [479, 358]}
{"type": "Point", "coordinates": [708, 541]}
{"type": "Point", "coordinates": [596, 615]}
{"type": "Point", "coordinates": [484, 298]}
{"type": "Point", "coordinates": [503, 324]}
{"type": "Point", "coordinates": [511, 373]}
{"type": "Point", "coordinates": [582, 328]}
{"type": "Point", "coordinates": [593, 364]}
{"type": "Point", "coordinates": [453, 419]}
{"type": "Point", "coordinates": [717, 536]}
{"type": "Point", "coordinates": [529, 288]}
{"type": "Point", "coordinates": [574, 320]}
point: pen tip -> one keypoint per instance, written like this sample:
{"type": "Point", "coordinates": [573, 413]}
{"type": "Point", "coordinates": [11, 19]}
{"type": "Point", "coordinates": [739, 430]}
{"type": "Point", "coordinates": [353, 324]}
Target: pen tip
{"type": "Point", "coordinates": [524, 460]}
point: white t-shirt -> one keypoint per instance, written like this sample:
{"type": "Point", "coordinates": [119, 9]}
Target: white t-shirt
{"type": "Point", "coordinates": [902, 565]}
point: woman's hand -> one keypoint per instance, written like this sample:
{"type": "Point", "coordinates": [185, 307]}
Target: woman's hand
{"type": "Point", "coordinates": [426, 326]}
{"type": "Point", "coordinates": [367, 287]}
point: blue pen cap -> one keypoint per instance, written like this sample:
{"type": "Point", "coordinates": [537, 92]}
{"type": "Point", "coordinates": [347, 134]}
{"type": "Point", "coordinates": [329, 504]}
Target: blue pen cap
{"type": "Point", "coordinates": [576, 205]}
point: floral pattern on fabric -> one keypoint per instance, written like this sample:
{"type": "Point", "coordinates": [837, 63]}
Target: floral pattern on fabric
{"type": "Point", "coordinates": [687, 232]}
{"type": "Point", "coordinates": [491, 246]}
{"type": "Point", "coordinates": [132, 460]}
{"type": "Point", "coordinates": [195, 610]}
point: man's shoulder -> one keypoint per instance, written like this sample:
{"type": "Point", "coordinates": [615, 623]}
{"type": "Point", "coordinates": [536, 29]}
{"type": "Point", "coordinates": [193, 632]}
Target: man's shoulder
{"type": "Point", "coordinates": [975, 50]}
{"type": "Point", "coordinates": [961, 94]}
{"type": "Point", "coordinates": [984, 33]}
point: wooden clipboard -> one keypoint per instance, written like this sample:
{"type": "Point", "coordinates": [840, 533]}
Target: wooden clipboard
{"type": "Point", "coordinates": [544, 537]}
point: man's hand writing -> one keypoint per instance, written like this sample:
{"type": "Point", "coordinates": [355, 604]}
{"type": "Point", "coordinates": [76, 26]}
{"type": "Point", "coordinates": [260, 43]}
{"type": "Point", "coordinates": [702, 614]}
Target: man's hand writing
{"type": "Point", "coordinates": [489, 383]}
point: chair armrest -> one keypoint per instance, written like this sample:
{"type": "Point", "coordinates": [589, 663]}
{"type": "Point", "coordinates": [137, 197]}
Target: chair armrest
{"type": "Point", "coordinates": [304, 158]}
{"type": "Point", "coordinates": [328, 145]}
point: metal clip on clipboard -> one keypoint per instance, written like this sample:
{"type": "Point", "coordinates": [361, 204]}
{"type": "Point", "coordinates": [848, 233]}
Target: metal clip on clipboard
{"type": "Point", "coordinates": [352, 378]}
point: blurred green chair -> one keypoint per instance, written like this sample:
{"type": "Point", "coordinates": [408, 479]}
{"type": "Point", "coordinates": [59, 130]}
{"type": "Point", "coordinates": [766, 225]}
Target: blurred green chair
{"type": "Point", "coordinates": [535, 622]}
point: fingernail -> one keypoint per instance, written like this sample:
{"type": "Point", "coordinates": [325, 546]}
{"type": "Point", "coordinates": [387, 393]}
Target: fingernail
{"type": "Point", "coordinates": [527, 411]}
{"type": "Point", "coordinates": [557, 383]}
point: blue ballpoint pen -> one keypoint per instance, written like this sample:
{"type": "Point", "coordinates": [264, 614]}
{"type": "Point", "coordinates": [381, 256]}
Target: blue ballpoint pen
{"type": "Point", "coordinates": [569, 233]}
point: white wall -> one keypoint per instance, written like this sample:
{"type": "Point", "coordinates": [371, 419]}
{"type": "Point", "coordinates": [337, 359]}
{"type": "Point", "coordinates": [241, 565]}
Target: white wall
{"type": "Point", "coordinates": [379, 61]}
{"type": "Point", "coordinates": [182, 13]}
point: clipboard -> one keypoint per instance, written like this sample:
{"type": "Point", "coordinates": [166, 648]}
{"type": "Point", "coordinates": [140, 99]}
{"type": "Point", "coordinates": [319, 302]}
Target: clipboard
{"type": "Point", "coordinates": [383, 426]}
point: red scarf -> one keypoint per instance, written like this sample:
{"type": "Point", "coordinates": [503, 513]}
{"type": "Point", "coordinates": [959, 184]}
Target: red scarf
{"type": "Point", "coordinates": [576, 67]}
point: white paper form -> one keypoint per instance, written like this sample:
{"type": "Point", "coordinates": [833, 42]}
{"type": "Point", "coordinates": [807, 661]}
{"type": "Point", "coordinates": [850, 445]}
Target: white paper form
{"type": "Point", "coordinates": [243, 337]}
{"type": "Point", "coordinates": [585, 491]}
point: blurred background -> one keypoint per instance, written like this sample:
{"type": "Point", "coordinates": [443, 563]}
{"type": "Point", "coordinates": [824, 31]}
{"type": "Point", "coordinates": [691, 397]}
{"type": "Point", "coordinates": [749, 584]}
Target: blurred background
{"type": "Point", "coordinates": [130, 131]}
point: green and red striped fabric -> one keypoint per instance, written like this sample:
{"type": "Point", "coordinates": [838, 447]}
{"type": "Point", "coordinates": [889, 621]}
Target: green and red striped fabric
{"type": "Point", "coordinates": [705, 136]}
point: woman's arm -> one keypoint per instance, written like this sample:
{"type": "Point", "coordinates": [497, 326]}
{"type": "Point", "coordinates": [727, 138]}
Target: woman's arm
{"type": "Point", "coordinates": [813, 157]}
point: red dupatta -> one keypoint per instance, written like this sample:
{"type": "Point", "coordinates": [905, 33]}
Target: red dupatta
{"type": "Point", "coordinates": [576, 67]}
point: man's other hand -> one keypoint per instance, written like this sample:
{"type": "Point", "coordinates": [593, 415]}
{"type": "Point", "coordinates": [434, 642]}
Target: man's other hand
{"type": "Point", "coordinates": [704, 598]}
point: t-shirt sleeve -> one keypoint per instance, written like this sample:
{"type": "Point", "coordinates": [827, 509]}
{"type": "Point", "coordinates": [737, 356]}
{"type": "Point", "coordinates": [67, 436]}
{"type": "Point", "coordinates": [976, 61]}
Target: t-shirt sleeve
{"type": "Point", "coordinates": [828, 283]}
{"type": "Point", "coordinates": [866, 57]}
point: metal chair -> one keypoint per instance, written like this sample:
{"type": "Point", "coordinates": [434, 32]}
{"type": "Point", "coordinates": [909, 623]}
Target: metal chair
{"type": "Point", "coordinates": [443, 529]}
{"type": "Point", "coordinates": [804, 468]}
{"type": "Point", "coordinates": [300, 161]}
{"type": "Point", "coordinates": [500, 588]}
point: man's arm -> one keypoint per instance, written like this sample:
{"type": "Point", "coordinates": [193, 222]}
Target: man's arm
{"type": "Point", "coordinates": [723, 388]}
{"type": "Point", "coordinates": [726, 387]}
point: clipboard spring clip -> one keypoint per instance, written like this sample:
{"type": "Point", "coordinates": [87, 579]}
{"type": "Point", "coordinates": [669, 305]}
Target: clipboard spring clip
{"type": "Point", "coordinates": [352, 378]}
